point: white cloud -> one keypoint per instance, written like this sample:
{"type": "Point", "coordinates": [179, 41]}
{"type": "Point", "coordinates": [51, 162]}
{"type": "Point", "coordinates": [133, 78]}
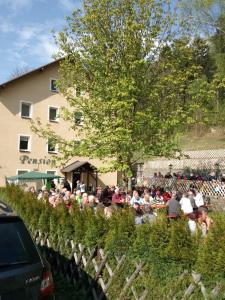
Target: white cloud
{"type": "Point", "coordinates": [37, 41]}
{"type": "Point", "coordinates": [44, 47]}
{"type": "Point", "coordinates": [28, 33]}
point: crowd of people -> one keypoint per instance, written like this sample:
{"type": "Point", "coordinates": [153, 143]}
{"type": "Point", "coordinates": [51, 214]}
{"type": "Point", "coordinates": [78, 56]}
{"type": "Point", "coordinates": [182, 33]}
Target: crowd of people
{"type": "Point", "coordinates": [146, 202]}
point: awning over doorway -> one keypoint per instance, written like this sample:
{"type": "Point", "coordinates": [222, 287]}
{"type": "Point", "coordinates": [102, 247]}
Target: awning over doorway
{"type": "Point", "coordinates": [76, 165]}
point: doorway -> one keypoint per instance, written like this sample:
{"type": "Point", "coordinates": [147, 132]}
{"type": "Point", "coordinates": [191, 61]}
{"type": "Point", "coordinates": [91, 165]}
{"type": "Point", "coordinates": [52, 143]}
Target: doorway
{"type": "Point", "coordinates": [76, 177]}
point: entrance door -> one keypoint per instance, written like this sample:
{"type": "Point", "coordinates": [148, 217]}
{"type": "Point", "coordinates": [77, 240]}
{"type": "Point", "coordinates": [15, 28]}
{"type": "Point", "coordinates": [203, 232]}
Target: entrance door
{"type": "Point", "coordinates": [76, 176]}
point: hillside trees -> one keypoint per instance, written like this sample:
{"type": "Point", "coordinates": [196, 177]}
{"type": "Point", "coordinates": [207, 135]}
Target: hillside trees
{"type": "Point", "coordinates": [206, 18]}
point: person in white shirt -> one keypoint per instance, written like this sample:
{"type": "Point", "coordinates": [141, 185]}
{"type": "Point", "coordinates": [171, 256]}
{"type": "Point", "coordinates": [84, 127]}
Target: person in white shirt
{"type": "Point", "coordinates": [136, 199]}
{"type": "Point", "coordinates": [199, 199]}
{"type": "Point", "coordinates": [187, 209]}
{"type": "Point", "coordinates": [82, 187]}
{"type": "Point", "coordinates": [186, 206]}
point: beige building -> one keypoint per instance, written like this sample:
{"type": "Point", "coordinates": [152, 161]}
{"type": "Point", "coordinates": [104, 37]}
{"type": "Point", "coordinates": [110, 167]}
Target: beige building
{"type": "Point", "coordinates": [30, 96]}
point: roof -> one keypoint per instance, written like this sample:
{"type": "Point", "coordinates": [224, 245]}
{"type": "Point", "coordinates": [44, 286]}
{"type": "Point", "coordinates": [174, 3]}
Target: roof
{"type": "Point", "coordinates": [2, 85]}
{"type": "Point", "coordinates": [75, 165]}
{"type": "Point", "coordinates": [32, 176]}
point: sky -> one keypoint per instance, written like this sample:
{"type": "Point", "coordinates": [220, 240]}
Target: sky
{"type": "Point", "coordinates": [26, 38]}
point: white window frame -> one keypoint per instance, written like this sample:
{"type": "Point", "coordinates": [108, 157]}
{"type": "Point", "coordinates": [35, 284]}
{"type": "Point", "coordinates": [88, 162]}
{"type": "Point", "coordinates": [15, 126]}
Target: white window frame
{"type": "Point", "coordinates": [55, 171]}
{"type": "Point", "coordinates": [56, 180]}
{"type": "Point", "coordinates": [24, 170]}
{"type": "Point", "coordinates": [31, 109]}
{"type": "Point", "coordinates": [56, 149]}
{"type": "Point", "coordinates": [58, 110]}
{"type": "Point", "coordinates": [29, 142]}
{"type": "Point", "coordinates": [50, 85]}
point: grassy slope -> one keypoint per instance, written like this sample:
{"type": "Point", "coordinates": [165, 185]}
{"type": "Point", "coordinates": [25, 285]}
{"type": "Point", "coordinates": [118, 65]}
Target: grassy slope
{"type": "Point", "coordinates": [199, 139]}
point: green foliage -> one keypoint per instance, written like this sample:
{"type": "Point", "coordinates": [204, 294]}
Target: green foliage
{"type": "Point", "coordinates": [96, 227]}
{"type": "Point", "coordinates": [165, 248]}
{"type": "Point", "coordinates": [129, 72]}
{"type": "Point", "coordinates": [181, 245]}
{"type": "Point", "coordinates": [120, 233]}
{"type": "Point", "coordinates": [78, 221]}
{"type": "Point", "coordinates": [210, 261]}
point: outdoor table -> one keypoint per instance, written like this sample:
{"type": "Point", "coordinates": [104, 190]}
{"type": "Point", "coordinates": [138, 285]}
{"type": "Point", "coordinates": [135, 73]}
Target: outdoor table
{"type": "Point", "coordinates": [158, 206]}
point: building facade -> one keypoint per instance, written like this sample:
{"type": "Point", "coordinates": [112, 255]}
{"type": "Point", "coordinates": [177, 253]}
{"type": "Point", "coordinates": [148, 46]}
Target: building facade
{"type": "Point", "coordinates": [28, 97]}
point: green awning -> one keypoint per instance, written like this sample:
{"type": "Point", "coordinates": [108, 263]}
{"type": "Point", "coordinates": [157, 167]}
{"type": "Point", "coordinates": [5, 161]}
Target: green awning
{"type": "Point", "coordinates": [32, 176]}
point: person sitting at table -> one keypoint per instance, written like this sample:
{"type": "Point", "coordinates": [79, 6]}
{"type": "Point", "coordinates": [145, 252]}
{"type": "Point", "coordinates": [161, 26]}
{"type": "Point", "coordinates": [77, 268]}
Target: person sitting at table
{"type": "Point", "coordinates": [173, 207]}
{"type": "Point", "coordinates": [136, 199]}
{"type": "Point", "coordinates": [204, 221]}
{"type": "Point", "coordinates": [158, 198]}
{"type": "Point", "coordinates": [146, 200]}
{"type": "Point", "coordinates": [166, 196]}
{"type": "Point", "coordinates": [199, 201]}
{"type": "Point", "coordinates": [117, 198]}
{"type": "Point", "coordinates": [187, 209]}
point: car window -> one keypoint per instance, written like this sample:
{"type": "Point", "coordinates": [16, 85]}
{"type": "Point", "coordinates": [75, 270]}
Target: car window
{"type": "Point", "coordinates": [16, 244]}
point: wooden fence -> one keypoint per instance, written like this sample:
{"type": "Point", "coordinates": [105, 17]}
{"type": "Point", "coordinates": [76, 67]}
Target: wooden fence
{"type": "Point", "coordinates": [97, 264]}
{"type": "Point", "coordinates": [212, 188]}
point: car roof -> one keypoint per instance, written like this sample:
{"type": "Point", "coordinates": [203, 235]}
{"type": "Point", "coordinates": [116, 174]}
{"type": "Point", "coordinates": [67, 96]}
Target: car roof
{"type": "Point", "coordinates": [6, 210]}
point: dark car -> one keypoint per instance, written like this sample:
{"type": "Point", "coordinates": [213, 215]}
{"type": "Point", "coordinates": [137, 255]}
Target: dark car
{"type": "Point", "coordinates": [24, 273]}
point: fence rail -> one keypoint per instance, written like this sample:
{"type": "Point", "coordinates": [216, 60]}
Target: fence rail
{"type": "Point", "coordinates": [89, 261]}
{"type": "Point", "coordinates": [96, 262]}
{"type": "Point", "coordinates": [208, 188]}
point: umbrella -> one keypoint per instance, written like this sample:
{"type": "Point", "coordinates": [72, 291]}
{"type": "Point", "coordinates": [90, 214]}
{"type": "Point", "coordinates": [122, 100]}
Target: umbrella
{"type": "Point", "coordinates": [33, 176]}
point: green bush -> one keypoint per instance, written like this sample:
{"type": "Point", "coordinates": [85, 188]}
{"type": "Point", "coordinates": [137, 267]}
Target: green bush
{"type": "Point", "coordinates": [121, 232]}
{"type": "Point", "coordinates": [211, 255]}
{"type": "Point", "coordinates": [96, 227]}
{"type": "Point", "coordinates": [166, 249]}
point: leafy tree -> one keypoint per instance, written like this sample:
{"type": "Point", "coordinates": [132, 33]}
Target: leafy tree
{"type": "Point", "coordinates": [132, 76]}
{"type": "Point", "coordinates": [218, 41]}
{"type": "Point", "coordinates": [203, 15]}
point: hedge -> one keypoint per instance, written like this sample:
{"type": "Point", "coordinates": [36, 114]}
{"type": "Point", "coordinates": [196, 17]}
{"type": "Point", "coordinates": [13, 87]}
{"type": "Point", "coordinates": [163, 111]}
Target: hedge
{"type": "Point", "coordinates": [167, 249]}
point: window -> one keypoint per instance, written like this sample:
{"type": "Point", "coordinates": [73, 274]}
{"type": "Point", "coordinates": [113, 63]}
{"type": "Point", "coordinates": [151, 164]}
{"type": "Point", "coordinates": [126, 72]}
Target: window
{"type": "Point", "coordinates": [20, 172]}
{"type": "Point", "coordinates": [78, 118]}
{"type": "Point", "coordinates": [52, 147]}
{"type": "Point", "coordinates": [53, 114]}
{"type": "Point", "coordinates": [53, 86]}
{"type": "Point", "coordinates": [25, 110]}
{"type": "Point", "coordinates": [51, 172]}
{"type": "Point", "coordinates": [24, 143]}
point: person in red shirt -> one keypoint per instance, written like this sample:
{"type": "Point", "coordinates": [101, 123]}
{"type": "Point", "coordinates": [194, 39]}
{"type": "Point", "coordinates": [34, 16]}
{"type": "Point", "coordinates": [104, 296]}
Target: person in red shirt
{"type": "Point", "coordinates": [117, 197]}
{"type": "Point", "coordinates": [166, 196]}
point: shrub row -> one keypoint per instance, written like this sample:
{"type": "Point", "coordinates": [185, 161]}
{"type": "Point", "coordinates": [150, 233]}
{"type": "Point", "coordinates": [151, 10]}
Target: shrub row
{"type": "Point", "coordinates": [167, 249]}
